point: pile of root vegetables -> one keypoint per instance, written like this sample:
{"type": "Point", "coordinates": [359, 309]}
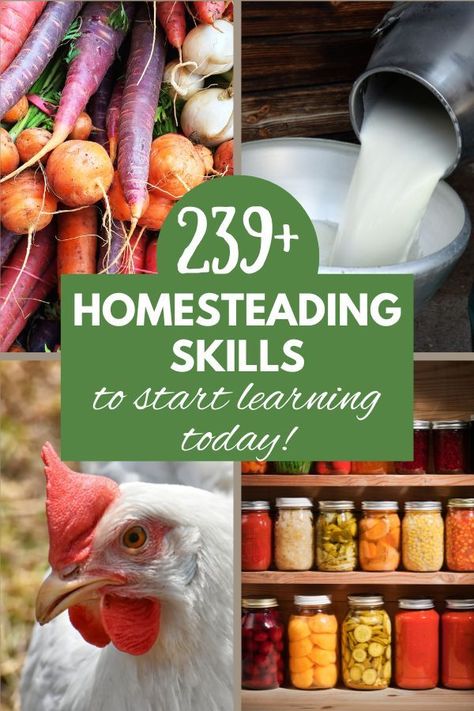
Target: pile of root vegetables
{"type": "Point", "coordinates": [110, 113]}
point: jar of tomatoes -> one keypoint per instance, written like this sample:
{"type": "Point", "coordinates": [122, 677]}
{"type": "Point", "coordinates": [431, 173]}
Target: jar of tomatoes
{"type": "Point", "coordinates": [457, 644]}
{"type": "Point", "coordinates": [254, 467]}
{"type": "Point", "coordinates": [336, 533]}
{"type": "Point", "coordinates": [312, 633]}
{"type": "Point", "coordinates": [294, 534]}
{"type": "Point", "coordinates": [366, 639]}
{"type": "Point", "coordinates": [333, 467]}
{"type": "Point", "coordinates": [460, 535]}
{"type": "Point", "coordinates": [256, 535]}
{"type": "Point", "coordinates": [421, 450]}
{"type": "Point", "coordinates": [379, 536]}
{"type": "Point", "coordinates": [262, 644]}
{"type": "Point", "coordinates": [416, 644]}
{"type": "Point", "coordinates": [450, 444]}
{"type": "Point", "coordinates": [372, 467]}
{"type": "Point", "coordinates": [423, 536]}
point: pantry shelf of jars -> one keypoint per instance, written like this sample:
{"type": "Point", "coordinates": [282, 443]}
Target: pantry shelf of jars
{"type": "Point", "coordinates": [372, 556]}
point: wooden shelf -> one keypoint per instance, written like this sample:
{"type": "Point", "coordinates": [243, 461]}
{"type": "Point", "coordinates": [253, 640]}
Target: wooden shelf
{"type": "Point", "coordinates": [357, 577]}
{"type": "Point", "coordinates": [350, 700]}
{"type": "Point", "coordinates": [354, 480]}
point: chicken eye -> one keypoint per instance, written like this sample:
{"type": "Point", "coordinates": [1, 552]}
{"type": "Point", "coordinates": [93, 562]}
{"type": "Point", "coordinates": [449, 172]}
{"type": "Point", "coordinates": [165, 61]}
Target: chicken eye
{"type": "Point", "coordinates": [134, 537]}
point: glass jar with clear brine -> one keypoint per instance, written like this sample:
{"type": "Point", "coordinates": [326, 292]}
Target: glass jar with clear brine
{"type": "Point", "coordinates": [294, 534]}
{"type": "Point", "coordinates": [366, 644]}
{"type": "Point", "coordinates": [336, 534]}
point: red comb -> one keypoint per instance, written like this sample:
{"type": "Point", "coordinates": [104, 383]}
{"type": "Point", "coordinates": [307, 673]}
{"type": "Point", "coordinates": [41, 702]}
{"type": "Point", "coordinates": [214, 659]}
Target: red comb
{"type": "Point", "coordinates": [75, 503]}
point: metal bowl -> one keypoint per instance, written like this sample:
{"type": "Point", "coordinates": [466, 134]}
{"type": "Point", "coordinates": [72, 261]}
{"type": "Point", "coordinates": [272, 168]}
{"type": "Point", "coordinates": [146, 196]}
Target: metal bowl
{"type": "Point", "coordinates": [317, 172]}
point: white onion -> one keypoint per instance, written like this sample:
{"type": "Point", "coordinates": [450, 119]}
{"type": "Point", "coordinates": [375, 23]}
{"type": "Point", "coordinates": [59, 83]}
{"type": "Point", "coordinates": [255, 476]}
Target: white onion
{"type": "Point", "coordinates": [207, 117]}
{"type": "Point", "coordinates": [183, 82]}
{"type": "Point", "coordinates": [211, 47]}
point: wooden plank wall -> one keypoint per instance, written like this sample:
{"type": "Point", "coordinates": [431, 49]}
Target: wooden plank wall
{"type": "Point", "coordinates": [299, 60]}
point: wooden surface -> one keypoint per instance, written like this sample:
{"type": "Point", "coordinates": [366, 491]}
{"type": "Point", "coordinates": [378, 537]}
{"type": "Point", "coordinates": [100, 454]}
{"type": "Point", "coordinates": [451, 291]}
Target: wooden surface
{"type": "Point", "coordinates": [347, 700]}
{"type": "Point", "coordinates": [357, 577]}
{"type": "Point", "coordinates": [316, 481]}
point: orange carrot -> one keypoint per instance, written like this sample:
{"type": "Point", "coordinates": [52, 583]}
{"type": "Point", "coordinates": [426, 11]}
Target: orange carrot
{"type": "Point", "coordinates": [173, 20]}
{"type": "Point", "coordinates": [133, 261]}
{"type": "Point", "coordinates": [77, 241]}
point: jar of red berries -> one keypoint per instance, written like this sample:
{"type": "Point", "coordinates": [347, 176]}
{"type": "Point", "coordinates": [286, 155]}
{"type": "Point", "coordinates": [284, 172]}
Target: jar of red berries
{"type": "Point", "coordinates": [262, 644]}
{"type": "Point", "coordinates": [450, 440]}
{"type": "Point", "coordinates": [421, 450]}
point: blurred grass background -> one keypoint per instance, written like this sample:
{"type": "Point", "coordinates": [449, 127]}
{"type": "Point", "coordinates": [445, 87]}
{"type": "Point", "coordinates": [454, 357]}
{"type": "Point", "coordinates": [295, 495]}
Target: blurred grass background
{"type": "Point", "coordinates": [29, 415]}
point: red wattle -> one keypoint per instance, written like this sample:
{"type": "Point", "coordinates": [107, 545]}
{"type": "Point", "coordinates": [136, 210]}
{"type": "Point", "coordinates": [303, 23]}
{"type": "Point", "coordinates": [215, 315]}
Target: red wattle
{"type": "Point", "coordinates": [133, 625]}
{"type": "Point", "coordinates": [87, 620]}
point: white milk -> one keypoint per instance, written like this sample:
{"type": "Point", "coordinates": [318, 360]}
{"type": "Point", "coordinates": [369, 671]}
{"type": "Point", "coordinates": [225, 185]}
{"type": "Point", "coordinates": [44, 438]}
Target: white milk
{"type": "Point", "coordinates": [407, 144]}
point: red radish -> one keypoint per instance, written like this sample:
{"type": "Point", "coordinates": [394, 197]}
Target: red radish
{"type": "Point", "coordinates": [8, 242]}
{"type": "Point", "coordinates": [22, 289]}
{"type": "Point", "coordinates": [157, 212]}
{"type": "Point", "coordinates": [112, 118]}
{"type": "Point", "coordinates": [209, 12]}
{"type": "Point", "coordinates": [17, 112]}
{"type": "Point", "coordinates": [26, 204]}
{"type": "Point", "coordinates": [151, 264]}
{"type": "Point", "coordinates": [96, 49]}
{"type": "Point", "coordinates": [145, 68]}
{"type": "Point", "coordinates": [224, 158]}
{"type": "Point", "coordinates": [118, 205]}
{"type": "Point", "coordinates": [30, 141]}
{"type": "Point", "coordinates": [79, 172]}
{"type": "Point", "coordinates": [133, 260]}
{"type": "Point", "coordinates": [175, 166]}
{"type": "Point", "coordinates": [9, 157]}
{"type": "Point", "coordinates": [36, 52]}
{"type": "Point", "coordinates": [17, 19]}
{"type": "Point", "coordinates": [97, 106]}
{"type": "Point", "coordinates": [82, 128]}
{"type": "Point", "coordinates": [77, 241]}
{"type": "Point", "coordinates": [172, 18]}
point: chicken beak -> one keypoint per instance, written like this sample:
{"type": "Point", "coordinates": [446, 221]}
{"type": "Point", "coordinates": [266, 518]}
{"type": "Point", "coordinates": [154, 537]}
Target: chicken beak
{"type": "Point", "coordinates": [56, 595]}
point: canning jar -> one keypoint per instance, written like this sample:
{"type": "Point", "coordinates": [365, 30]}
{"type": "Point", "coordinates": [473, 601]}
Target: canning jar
{"type": "Point", "coordinates": [254, 467]}
{"type": "Point", "coordinates": [450, 445]}
{"type": "Point", "coordinates": [294, 534]}
{"type": "Point", "coordinates": [256, 535]}
{"type": "Point", "coordinates": [416, 645]}
{"type": "Point", "coordinates": [366, 639]}
{"type": "Point", "coordinates": [379, 536]}
{"type": "Point", "coordinates": [336, 533]}
{"type": "Point", "coordinates": [471, 444]}
{"type": "Point", "coordinates": [333, 467]}
{"type": "Point", "coordinates": [262, 644]}
{"type": "Point", "coordinates": [372, 467]}
{"type": "Point", "coordinates": [421, 450]}
{"type": "Point", "coordinates": [457, 644]}
{"type": "Point", "coordinates": [460, 535]}
{"type": "Point", "coordinates": [312, 634]}
{"type": "Point", "coordinates": [292, 467]}
{"type": "Point", "coordinates": [422, 536]}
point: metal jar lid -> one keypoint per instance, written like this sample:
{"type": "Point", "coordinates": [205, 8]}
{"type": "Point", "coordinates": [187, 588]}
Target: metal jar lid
{"type": "Point", "coordinates": [467, 604]}
{"type": "Point", "coordinates": [380, 506]}
{"type": "Point", "coordinates": [294, 503]}
{"type": "Point", "coordinates": [336, 505]}
{"type": "Point", "coordinates": [312, 600]}
{"type": "Point", "coordinates": [259, 603]}
{"type": "Point", "coordinates": [450, 424]}
{"type": "Point", "coordinates": [422, 505]}
{"type": "Point", "coordinates": [255, 505]}
{"type": "Point", "coordinates": [417, 604]}
{"type": "Point", "coordinates": [460, 503]}
{"type": "Point", "coordinates": [364, 600]}
{"type": "Point", "coordinates": [421, 425]}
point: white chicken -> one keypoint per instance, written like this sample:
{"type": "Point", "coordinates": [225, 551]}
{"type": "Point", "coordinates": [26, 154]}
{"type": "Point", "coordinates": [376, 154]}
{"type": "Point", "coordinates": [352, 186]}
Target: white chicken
{"type": "Point", "coordinates": [145, 572]}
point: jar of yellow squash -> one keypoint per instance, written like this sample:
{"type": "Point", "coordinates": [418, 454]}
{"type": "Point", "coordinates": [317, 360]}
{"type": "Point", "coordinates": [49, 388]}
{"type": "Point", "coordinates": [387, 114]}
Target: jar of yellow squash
{"type": "Point", "coordinates": [366, 640]}
{"type": "Point", "coordinates": [312, 634]}
{"type": "Point", "coordinates": [422, 536]}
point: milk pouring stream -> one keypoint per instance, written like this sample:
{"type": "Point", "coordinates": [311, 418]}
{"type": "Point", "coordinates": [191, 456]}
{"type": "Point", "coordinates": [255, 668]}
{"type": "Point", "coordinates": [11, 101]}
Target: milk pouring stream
{"type": "Point", "coordinates": [407, 145]}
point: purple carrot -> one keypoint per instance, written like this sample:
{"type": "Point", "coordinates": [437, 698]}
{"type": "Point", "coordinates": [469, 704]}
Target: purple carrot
{"type": "Point", "coordinates": [112, 118]}
{"type": "Point", "coordinates": [36, 52]}
{"type": "Point", "coordinates": [96, 50]}
{"type": "Point", "coordinates": [109, 261]}
{"type": "Point", "coordinates": [8, 242]}
{"type": "Point", "coordinates": [44, 332]}
{"type": "Point", "coordinates": [97, 107]}
{"type": "Point", "coordinates": [139, 101]}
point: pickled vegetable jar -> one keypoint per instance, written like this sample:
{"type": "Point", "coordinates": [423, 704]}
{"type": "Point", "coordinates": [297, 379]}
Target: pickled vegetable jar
{"type": "Point", "coordinates": [333, 467]}
{"type": "Point", "coordinates": [421, 450]}
{"type": "Point", "coordinates": [294, 534]}
{"type": "Point", "coordinates": [262, 644]}
{"type": "Point", "coordinates": [457, 644]}
{"type": "Point", "coordinates": [336, 534]}
{"type": "Point", "coordinates": [256, 535]}
{"type": "Point", "coordinates": [254, 467]}
{"type": "Point", "coordinates": [372, 467]}
{"type": "Point", "coordinates": [423, 536]}
{"type": "Point", "coordinates": [416, 645]}
{"type": "Point", "coordinates": [366, 639]}
{"type": "Point", "coordinates": [379, 536]}
{"type": "Point", "coordinates": [450, 443]}
{"type": "Point", "coordinates": [460, 535]}
{"type": "Point", "coordinates": [292, 467]}
{"type": "Point", "coordinates": [312, 634]}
